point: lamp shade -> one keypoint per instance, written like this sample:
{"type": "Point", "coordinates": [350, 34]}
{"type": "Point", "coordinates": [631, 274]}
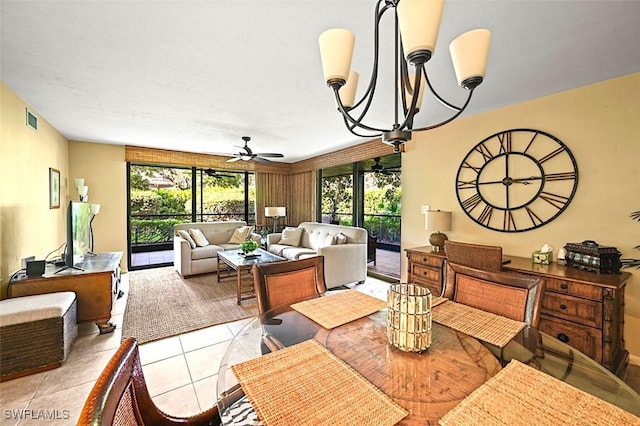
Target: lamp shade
{"type": "Point", "coordinates": [409, 95]}
{"type": "Point", "coordinates": [419, 22]}
{"type": "Point", "coordinates": [95, 209]}
{"type": "Point", "coordinates": [275, 211]}
{"type": "Point", "coordinates": [348, 91]}
{"type": "Point", "coordinates": [469, 53]}
{"type": "Point", "coordinates": [83, 190]}
{"type": "Point", "coordinates": [336, 51]}
{"type": "Point", "coordinates": [79, 182]}
{"type": "Point", "coordinates": [436, 220]}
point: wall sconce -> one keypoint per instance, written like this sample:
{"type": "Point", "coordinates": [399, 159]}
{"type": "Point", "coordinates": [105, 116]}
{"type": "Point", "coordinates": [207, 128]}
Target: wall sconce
{"type": "Point", "coordinates": [276, 213]}
{"type": "Point", "coordinates": [436, 220]}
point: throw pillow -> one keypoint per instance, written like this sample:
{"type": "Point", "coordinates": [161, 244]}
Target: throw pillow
{"type": "Point", "coordinates": [291, 237]}
{"type": "Point", "coordinates": [198, 237]}
{"type": "Point", "coordinates": [320, 239]}
{"type": "Point", "coordinates": [185, 235]}
{"type": "Point", "coordinates": [240, 234]}
{"type": "Point", "coordinates": [341, 238]}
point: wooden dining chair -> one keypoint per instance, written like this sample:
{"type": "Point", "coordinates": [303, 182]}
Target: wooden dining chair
{"type": "Point", "coordinates": [509, 294]}
{"type": "Point", "coordinates": [474, 255]}
{"type": "Point", "coordinates": [120, 396]}
{"type": "Point", "coordinates": [283, 283]}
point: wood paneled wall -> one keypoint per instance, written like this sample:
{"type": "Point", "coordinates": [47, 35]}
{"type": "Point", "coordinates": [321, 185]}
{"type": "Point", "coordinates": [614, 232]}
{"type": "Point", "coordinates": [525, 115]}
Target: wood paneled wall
{"type": "Point", "coordinates": [302, 197]}
{"type": "Point", "coordinates": [272, 190]}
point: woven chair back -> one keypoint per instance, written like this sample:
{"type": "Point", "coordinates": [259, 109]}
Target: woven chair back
{"type": "Point", "coordinates": [474, 255]}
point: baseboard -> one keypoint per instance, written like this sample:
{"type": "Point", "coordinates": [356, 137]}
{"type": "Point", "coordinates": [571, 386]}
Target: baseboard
{"type": "Point", "coordinates": [634, 359]}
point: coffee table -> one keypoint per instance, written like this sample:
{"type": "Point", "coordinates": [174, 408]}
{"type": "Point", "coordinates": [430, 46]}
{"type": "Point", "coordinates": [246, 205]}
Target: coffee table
{"type": "Point", "coordinates": [237, 261]}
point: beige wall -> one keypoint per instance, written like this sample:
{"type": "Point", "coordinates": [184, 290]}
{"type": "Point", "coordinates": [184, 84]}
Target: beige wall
{"type": "Point", "coordinates": [600, 124]}
{"type": "Point", "coordinates": [104, 171]}
{"type": "Point", "coordinates": [27, 225]}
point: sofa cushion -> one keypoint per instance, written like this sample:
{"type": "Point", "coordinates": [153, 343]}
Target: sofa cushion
{"type": "Point", "coordinates": [294, 253]}
{"type": "Point", "coordinates": [240, 234]}
{"type": "Point", "coordinates": [319, 239]}
{"type": "Point", "coordinates": [291, 237]}
{"type": "Point", "coordinates": [205, 252]}
{"type": "Point", "coordinates": [198, 237]}
{"type": "Point", "coordinates": [185, 235]}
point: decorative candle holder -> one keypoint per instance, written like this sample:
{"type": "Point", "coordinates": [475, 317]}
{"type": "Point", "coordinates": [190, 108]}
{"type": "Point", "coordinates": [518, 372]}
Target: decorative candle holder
{"type": "Point", "coordinates": [409, 317]}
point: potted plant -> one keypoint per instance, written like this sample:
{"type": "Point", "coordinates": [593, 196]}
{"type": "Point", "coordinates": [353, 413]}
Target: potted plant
{"type": "Point", "coordinates": [633, 263]}
{"type": "Point", "coordinates": [249, 246]}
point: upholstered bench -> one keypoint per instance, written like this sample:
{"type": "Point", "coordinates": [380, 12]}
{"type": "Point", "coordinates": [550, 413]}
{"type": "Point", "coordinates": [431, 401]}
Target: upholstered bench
{"type": "Point", "coordinates": [36, 333]}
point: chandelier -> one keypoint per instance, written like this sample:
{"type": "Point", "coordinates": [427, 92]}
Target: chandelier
{"type": "Point", "coordinates": [416, 31]}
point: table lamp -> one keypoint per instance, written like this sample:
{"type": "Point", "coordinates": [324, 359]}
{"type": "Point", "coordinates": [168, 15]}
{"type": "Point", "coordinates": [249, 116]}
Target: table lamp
{"type": "Point", "coordinates": [276, 213]}
{"type": "Point", "coordinates": [436, 220]}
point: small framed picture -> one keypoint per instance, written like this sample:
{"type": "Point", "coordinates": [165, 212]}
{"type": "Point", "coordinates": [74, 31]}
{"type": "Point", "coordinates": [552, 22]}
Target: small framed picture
{"type": "Point", "coordinates": [54, 188]}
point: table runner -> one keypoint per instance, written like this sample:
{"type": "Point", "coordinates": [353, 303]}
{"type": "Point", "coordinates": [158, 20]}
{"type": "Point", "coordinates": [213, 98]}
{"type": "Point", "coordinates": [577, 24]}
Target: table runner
{"type": "Point", "coordinates": [483, 325]}
{"type": "Point", "coordinates": [305, 384]}
{"type": "Point", "coordinates": [341, 308]}
{"type": "Point", "coordinates": [522, 395]}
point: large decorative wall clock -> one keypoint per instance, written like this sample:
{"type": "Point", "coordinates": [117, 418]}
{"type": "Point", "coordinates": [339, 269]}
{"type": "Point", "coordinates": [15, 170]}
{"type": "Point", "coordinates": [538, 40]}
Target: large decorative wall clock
{"type": "Point", "coordinates": [517, 180]}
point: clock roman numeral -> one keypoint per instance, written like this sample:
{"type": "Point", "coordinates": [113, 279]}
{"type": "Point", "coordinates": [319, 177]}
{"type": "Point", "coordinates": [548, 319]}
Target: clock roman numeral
{"type": "Point", "coordinates": [560, 176]}
{"type": "Point", "coordinates": [466, 165]}
{"type": "Point", "coordinates": [484, 151]}
{"type": "Point", "coordinates": [557, 201]}
{"type": "Point", "coordinates": [509, 224]}
{"type": "Point", "coordinates": [485, 216]}
{"type": "Point", "coordinates": [467, 184]}
{"type": "Point", "coordinates": [471, 202]}
{"type": "Point", "coordinates": [531, 141]}
{"type": "Point", "coordinates": [551, 155]}
{"type": "Point", "coordinates": [505, 142]}
{"type": "Point", "coordinates": [535, 219]}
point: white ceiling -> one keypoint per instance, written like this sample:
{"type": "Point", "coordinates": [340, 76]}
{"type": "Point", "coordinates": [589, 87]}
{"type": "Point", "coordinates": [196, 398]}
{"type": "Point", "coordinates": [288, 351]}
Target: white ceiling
{"type": "Point", "coordinates": [198, 75]}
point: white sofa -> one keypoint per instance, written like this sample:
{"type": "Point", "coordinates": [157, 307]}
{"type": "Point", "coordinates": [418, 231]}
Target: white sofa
{"type": "Point", "coordinates": [345, 262]}
{"type": "Point", "coordinates": [190, 260]}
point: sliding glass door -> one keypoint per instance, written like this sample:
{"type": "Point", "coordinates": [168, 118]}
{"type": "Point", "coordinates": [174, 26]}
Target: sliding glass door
{"type": "Point", "coordinates": [160, 197]}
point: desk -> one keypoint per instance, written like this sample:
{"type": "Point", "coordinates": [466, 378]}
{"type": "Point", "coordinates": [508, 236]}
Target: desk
{"type": "Point", "coordinates": [95, 285]}
{"type": "Point", "coordinates": [583, 309]}
{"type": "Point", "coordinates": [429, 384]}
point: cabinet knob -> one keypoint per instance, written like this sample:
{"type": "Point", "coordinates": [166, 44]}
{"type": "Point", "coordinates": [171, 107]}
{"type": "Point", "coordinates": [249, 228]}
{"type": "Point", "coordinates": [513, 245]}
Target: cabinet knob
{"type": "Point", "coordinates": [563, 306]}
{"type": "Point", "coordinates": [564, 286]}
{"type": "Point", "coordinates": [424, 259]}
{"type": "Point", "coordinates": [563, 337]}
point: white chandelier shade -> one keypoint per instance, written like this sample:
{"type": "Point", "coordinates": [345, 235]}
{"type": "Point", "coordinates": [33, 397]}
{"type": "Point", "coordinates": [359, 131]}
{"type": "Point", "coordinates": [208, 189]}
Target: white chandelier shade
{"type": "Point", "coordinates": [417, 23]}
{"type": "Point", "coordinates": [469, 53]}
{"type": "Point", "coordinates": [336, 51]}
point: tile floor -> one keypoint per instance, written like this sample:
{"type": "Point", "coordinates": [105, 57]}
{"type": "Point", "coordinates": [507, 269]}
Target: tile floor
{"type": "Point", "coordinates": [181, 371]}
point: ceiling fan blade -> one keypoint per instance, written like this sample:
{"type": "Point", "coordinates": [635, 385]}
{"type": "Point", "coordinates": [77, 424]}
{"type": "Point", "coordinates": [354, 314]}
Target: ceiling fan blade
{"type": "Point", "coordinates": [233, 159]}
{"type": "Point", "coordinates": [270, 154]}
{"type": "Point", "coordinates": [262, 160]}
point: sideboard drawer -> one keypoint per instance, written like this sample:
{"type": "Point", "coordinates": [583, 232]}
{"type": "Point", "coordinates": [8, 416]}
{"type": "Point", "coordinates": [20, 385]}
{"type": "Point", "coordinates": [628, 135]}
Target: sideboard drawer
{"type": "Point", "coordinates": [574, 309]}
{"type": "Point", "coordinates": [573, 288]}
{"type": "Point", "coordinates": [434, 287]}
{"type": "Point", "coordinates": [585, 339]}
{"type": "Point", "coordinates": [425, 259]}
{"type": "Point", "coordinates": [424, 273]}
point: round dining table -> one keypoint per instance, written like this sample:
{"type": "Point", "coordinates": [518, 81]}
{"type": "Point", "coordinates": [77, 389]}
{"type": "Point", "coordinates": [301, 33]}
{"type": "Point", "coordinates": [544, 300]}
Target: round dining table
{"type": "Point", "coordinates": [426, 384]}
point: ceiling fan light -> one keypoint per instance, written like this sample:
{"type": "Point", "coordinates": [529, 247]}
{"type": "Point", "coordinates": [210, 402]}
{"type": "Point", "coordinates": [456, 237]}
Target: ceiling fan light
{"type": "Point", "coordinates": [336, 51]}
{"type": "Point", "coordinates": [419, 23]}
{"type": "Point", "coordinates": [348, 91]}
{"type": "Point", "coordinates": [469, 53]}
{"type": "Point", "coordinates": [245, 157]}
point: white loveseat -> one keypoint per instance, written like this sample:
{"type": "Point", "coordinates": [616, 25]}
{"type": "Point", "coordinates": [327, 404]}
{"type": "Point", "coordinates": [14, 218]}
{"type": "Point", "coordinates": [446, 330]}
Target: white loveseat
{"type": "Point", "coordinates": [344, 249]}
{"type": "Point", "coordinates": [189, 260]}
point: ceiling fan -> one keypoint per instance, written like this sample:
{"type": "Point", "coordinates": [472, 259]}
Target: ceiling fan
{"type": "Point", "coordinates": [248, 154]}
{"type": "Point", "coordinates": [216, 174]}
{"type": "Point", "coordinates": [379, 168]}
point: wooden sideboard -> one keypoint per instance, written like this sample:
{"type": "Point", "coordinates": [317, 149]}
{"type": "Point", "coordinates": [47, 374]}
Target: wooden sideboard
{"type": "Point", "coordinates": [95, 285]}
{"type": "Point", "coordinates": [583, 309]}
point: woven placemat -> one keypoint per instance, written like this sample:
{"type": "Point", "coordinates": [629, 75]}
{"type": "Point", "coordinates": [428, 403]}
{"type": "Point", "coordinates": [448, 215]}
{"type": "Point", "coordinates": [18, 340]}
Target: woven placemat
{"type": "Point", "coordinates": [522, 395]}
{"type": "Point", "coordinates": [341, 308]}
{"type": "Point", "coordinates": [437, 301]}
{"type": "Point", "coordinates": [305, 384]}
{"type": "Point", "coordinates": [486, 326]}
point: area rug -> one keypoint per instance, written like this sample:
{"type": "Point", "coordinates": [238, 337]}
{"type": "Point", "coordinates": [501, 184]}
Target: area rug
{"type": "Point", "coordinates": [162, 304]}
